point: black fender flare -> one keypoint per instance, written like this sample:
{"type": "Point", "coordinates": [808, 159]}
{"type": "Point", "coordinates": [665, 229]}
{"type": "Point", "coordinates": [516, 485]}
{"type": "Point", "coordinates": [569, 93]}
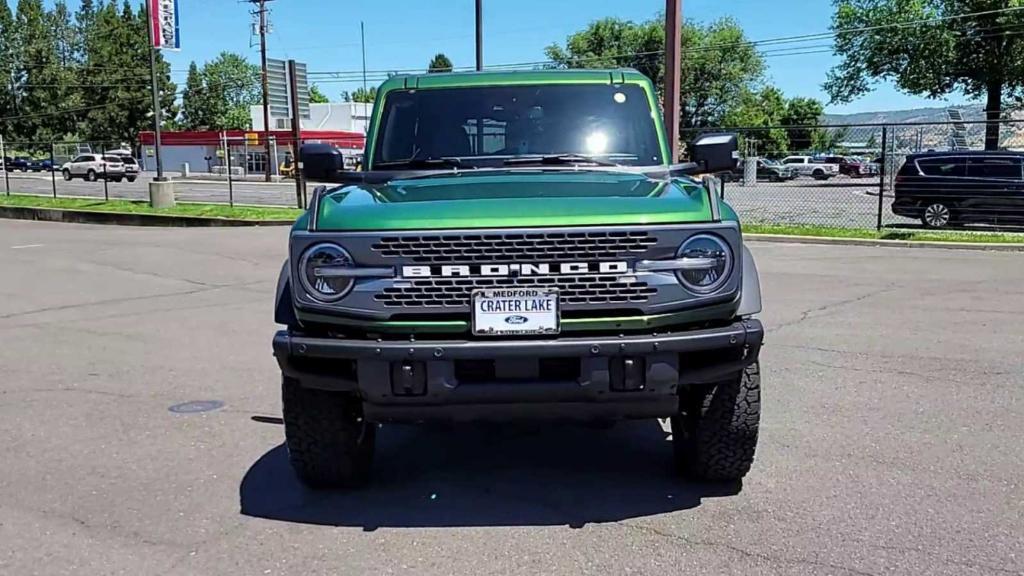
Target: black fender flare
{"type": "Point", "coordinates": [284, 307]}
{"type": "Point", "coordinates": [750, 298]}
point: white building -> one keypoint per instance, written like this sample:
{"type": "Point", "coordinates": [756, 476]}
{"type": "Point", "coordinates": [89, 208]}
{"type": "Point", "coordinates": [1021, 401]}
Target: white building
{"type": "Point", "coordinates": [337, 116]}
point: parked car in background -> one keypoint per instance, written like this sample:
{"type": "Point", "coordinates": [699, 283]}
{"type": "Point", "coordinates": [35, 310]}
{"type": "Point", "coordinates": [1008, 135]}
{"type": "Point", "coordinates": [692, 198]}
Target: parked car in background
{"type": "Point", "coordinates": [944, 188]}
{"type": "Point", "coordinates": [12, 163]}
{"type": "Point", "coordinates": [92, 167]}
{"type": "Point", "coordinates": [808, 166]}
{"type": "Point", "coordinates": [769, 170]}
{"type": "Point", "coordinates": [131, 167]}
{"type": "Point", "coordinates": [44, 165]}
{"type": "Point", "coordinates": [852, 166]}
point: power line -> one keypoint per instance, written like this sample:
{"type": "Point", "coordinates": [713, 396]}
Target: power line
{"type": "Point", "coordinates": [108, 104]}
{"type": "Point", "coordinates": [699, 49]}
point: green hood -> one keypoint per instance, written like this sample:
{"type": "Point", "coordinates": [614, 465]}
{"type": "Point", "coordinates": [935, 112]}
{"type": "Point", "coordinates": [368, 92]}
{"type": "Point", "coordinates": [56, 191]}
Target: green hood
{"type": "Point", "coordinates": [514, 199]}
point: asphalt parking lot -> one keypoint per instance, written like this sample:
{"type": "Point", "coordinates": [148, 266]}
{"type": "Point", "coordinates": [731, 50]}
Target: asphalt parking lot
{"type": "Point", "coordinates": [841, 202]}
{"type": "Point", "coordinates": [891, 438]}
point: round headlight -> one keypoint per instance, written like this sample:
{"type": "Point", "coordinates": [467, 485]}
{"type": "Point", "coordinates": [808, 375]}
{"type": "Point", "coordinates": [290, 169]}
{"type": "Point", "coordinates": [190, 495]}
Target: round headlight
{"type": "Point", "coordinates": [321, 271]}
{"type": "Point", "coordinates": [712, 260]}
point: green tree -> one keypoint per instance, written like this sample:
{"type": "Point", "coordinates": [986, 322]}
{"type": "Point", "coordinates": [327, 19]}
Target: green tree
{"type": "Point", "coordinates": [804, 112]}
{"type": "Point", "coordinates": [439, 63]}
{"type": "Point", "coordinates": [39, 78]}
{"type": "Point", "coordinates": [360, 95]}
{"type": "Point", "coordinates": [218, 96]}
{"type": "Point", "coordinates": [766, 109]}
{"type": "Point", "coordinates": [962, 46]}
{"type": "Point", "coordinates": [713, 80]}
{"type": "Point", "coordinates": [8, 61]}
{"type": "Point", "coordinates": [194, 107]}
{"type": "Point", "coordinates": [614, 43]}
{"type": "Point", "coordinates": [117, 91]}
{"type": "Point", "coordinates": [316, 96]}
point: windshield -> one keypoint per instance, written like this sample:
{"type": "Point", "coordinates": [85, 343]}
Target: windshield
{"type": "Point", "coordinates": [484, 125]}
{"type": "Point", "coordinates": [112, 159]}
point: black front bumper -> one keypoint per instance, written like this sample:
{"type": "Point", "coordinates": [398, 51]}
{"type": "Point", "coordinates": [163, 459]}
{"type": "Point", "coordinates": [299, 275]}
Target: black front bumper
{"type": "Point", "coordinates": [592, 377]}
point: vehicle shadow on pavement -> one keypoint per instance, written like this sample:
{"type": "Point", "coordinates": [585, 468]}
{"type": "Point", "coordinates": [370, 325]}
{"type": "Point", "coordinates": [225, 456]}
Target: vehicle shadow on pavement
{"type": "Point", "coordinates": [475, 475]}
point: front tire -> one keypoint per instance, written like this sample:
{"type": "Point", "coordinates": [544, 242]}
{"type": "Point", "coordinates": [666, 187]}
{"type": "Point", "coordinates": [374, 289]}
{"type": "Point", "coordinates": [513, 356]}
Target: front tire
{"type": "Point", "coordinates": [329, 443]}
{"type": "Point", "coordinates": [937, 215]}
{"type": "Point", "coordinates": [131, 178]}
{"type": "Point", "coordinates": [67, 174]}
{"type": "Point", "coordinates": [715, 435]}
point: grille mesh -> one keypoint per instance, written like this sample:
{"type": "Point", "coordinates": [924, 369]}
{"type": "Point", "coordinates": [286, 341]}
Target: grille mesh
{"type": "Point", "coordinates": [496, 248]}
{"type": "Point", "coordinates": [455, 292]}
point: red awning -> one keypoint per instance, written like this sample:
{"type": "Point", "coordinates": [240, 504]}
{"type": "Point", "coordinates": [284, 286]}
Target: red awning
{"type": "Point", "coordinates": [339, 138]}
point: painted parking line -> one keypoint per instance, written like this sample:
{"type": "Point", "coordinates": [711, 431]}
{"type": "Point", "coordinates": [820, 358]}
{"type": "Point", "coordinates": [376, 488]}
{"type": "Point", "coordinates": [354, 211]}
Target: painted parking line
{"type": "Point", "coordinates": [27, 246]}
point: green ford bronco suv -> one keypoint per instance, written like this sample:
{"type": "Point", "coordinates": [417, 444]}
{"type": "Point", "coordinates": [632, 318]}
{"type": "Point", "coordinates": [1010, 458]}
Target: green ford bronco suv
{"type": "Point", "coordinates": [519, 246]}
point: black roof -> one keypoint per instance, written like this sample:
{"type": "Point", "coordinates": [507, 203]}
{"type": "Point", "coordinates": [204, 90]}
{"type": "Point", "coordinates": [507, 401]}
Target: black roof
{"type": "Point", "coordinates": [965, 153]}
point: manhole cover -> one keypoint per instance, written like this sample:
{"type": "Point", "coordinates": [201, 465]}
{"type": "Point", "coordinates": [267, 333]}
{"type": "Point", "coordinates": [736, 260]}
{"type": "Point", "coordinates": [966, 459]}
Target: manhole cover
{"type": "Point", "coordinates": [196, 406]}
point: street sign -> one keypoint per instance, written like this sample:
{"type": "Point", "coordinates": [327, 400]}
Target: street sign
{"type": "Point", "coordinates": [302, 86]}
{"type": "Point", "coordinates": [252, 138]}
{"type": "Point", "coordinates": [277, 88]}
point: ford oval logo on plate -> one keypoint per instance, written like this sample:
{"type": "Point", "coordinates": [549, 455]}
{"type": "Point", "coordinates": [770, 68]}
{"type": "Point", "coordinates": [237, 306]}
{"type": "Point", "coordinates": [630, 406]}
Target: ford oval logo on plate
{"type": "Point", "coordinates": [516, 319]}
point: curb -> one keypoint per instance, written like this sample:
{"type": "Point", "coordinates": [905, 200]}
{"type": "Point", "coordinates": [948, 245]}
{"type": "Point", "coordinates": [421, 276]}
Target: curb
{"type": "Point", "coordinates": [128, 218]}
{"type": "Point", "coordinates": [977, 246]}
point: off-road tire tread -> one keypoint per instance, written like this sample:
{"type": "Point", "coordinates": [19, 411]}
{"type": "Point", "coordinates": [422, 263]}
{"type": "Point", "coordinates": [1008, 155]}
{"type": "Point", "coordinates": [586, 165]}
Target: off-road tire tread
{"type": "Point", "coordinates": [720, 443]}
{"type": "Point", "coordinates": [322, 434]}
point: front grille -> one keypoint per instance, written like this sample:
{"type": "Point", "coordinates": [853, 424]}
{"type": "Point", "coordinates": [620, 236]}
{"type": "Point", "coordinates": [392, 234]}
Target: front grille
{"type": "Point", "coordinates": [455, 292]}
{"type": "Point", "coordinates": [510, 247]}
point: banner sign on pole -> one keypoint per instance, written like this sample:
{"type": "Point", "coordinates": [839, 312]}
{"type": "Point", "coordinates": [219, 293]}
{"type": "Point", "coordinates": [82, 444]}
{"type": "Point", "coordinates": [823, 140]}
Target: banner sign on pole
{"type": "Point", "coordinates": [164, 16]}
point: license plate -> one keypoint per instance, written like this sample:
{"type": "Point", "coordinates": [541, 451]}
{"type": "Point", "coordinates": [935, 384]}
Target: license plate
{"type": "Point", "coordinates": [515, 311]}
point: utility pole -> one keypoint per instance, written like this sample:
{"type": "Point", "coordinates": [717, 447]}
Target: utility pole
{"type": "Point", "coordinates": [157, 121]}
{"type": "Point", "coordinates": [673, 62]}
{"type": "Point", "coordinates": [293, 89]}
{"type": "Point", "coordinates": [262, 12]}
{"type": "Point", "coordinates": [362, 40]}
{"type": "Point", "coordinates": [479, 35]}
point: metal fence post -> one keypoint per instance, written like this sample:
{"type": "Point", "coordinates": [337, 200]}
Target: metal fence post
{"type": "Point", "coordinates": [3, 160]}
{"type": "Point", "coordinates": [227, 165]}
{"type": "Point", "coordinates": [881, 176]}
{"type": "Point", "coordinates": [53, 169]}
{"type": "Point", "coordinates": [103, 158]}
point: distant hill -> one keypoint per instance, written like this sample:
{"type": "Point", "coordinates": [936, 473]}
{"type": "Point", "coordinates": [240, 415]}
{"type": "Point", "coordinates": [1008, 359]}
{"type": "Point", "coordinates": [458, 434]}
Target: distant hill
{"type": "Point", "coordinates": [919, 135]}
{"type": "Point", "coordinates": [971, 112]}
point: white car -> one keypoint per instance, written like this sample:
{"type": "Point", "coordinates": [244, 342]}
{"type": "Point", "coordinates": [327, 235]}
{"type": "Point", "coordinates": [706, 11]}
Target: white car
{"type": "Point", "coordinates": [92, 167]}
{"type": "Point", "coordinates": [808, 166]}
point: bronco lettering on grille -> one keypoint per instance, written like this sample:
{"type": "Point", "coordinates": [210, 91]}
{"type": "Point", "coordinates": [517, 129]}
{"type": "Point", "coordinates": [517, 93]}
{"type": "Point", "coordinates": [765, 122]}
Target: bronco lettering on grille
{"type": "Point", "coordinates": [513, 270]}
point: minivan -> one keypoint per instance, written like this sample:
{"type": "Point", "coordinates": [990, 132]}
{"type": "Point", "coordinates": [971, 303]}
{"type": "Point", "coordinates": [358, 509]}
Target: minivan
{"type": "Point", "coordinates": [944, 188]}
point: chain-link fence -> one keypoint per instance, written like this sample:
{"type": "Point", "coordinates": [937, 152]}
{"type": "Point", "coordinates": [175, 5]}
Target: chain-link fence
{"type": "Point", "coordinates": [875, 176]}
{"type": "Point", "coordinates": [849, 176]}
{"type": "Point", "coordinates": [215, 168]}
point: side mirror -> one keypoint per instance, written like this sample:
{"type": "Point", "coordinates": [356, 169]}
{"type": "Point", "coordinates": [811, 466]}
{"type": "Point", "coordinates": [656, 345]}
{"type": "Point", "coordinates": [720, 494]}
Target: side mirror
{"type": "Point", "coordinates": [716, 152]}
{"type": "Point", "coordinates": [320, 161]}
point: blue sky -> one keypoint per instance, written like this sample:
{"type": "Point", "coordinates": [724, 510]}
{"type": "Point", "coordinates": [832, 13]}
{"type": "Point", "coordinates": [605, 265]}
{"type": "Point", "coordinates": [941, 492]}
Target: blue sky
{"type": "Point", "coordinates": [403, 34]}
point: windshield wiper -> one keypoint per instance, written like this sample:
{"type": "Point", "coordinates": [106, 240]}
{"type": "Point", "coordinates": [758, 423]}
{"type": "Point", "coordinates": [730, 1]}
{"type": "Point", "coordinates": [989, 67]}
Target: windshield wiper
{"type": "Point", "coordinates": [414, 163]}
{"type": "Point", "coordinates": [558, 159]}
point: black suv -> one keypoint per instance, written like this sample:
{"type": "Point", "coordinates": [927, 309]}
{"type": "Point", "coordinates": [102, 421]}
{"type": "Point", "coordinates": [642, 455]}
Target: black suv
{"type": "Point", "coordinates": [943, 188]}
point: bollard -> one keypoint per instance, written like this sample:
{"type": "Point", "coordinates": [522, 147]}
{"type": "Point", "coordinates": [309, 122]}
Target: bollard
{"type": "Point", "coordinates": [161, 194]}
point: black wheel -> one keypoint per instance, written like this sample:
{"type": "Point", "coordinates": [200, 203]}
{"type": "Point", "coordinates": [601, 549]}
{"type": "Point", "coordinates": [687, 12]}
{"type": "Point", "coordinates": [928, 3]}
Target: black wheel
{"type": "Point", "coordinates": [715, 434]}
{"type": "Point", "coordinates": [115, 178]}
{"type": "Point", "coordinates": [329, 443]}
{"type": "Point", "coordinates": [774, 178]}
{"type": "Point", "coordinates": [90, 176]}
{"type": "Point", "coordinates": [131, 178]}
{"type": "Point", "coordinates": [67, 174]}
{"type": "Point", "coordinates": [937, 215]}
